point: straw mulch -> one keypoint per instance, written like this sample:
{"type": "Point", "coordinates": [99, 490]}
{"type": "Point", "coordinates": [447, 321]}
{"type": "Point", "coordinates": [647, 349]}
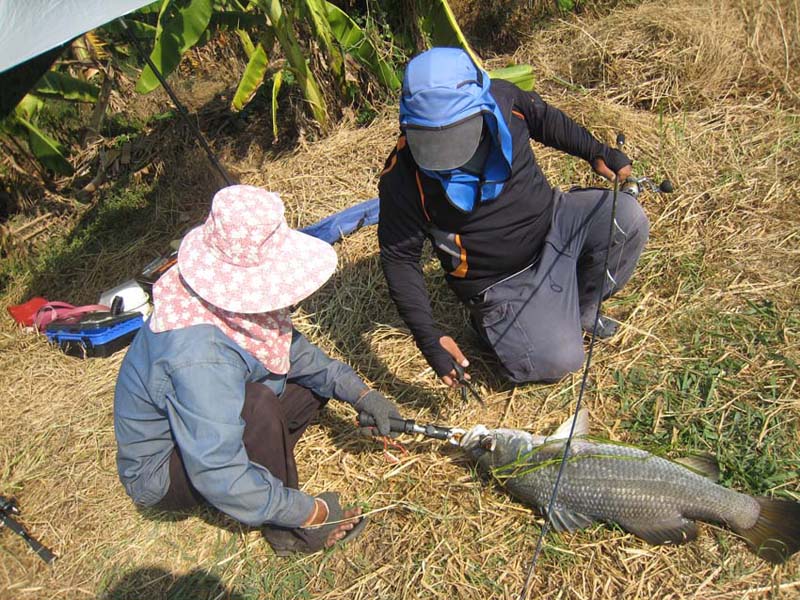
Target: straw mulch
{"type": "Point", "coordinates": [725, 242]}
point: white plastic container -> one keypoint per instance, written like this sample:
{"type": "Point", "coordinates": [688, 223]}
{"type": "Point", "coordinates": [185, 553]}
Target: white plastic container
{"type": "Point", "coordinates": [133, 297]}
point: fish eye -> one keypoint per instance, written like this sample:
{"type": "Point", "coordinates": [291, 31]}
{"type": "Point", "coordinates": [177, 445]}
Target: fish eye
{"type": "Point", "coordinates": [488, 443]}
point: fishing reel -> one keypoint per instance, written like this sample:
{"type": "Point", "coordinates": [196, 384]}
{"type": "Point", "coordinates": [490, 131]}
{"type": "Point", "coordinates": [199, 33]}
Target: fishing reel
{"type": "Point", "coordinates": [635, 185]}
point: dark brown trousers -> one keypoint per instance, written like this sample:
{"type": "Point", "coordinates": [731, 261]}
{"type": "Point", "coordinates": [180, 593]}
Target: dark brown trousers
{"type": "Point", "coordinates": [273, 425]}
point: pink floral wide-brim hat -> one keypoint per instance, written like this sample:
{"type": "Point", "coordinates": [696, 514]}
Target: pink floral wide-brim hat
{"type": "Point", "coordinates": [246, 259]}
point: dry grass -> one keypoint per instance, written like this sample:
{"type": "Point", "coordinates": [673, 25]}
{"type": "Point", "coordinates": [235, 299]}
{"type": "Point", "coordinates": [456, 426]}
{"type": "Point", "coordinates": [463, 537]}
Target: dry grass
{"type": "Point", "coordinates": [674, 55]}
{"type": "Point", "coordinates": [707, 357]}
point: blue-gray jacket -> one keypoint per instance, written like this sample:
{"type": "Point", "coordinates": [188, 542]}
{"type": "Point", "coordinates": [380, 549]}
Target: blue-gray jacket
{"type": "Point", "coordinates": [185, 387]}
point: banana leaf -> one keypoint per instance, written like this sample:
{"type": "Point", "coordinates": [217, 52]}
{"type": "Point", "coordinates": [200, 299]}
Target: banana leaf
{"type": "Point", "coordinates": [179, 28]}
{"type": "Point", "coordinates": [276, 88]}
{"type": "Point", "coordinates": [231, 20]}
{"type": "Point", "coordinates": [63, 86]}
{"type": "Point", "coordinates": [521, 75]}
{"type": "Point", "coordinates": [283, 27]}
{"type": "Point", "coordinates": [149, 9]}
{"type": "Point", "coordinates": [140, 30]}
{"type": "Point", "coordinates": [29, 107]}
{"type": "Point", "coordinates": [439, 24]}
{"type": "Point", "coordinates": [315, 11]}
{"type": "Point", "coordinates": [253, 74]}
{"type": "Point", "coordinates": [356, 43]}
{"type": "Point", "coordinates": [44, 148]}
{"type": "Point", "coordinates": [247, 43]}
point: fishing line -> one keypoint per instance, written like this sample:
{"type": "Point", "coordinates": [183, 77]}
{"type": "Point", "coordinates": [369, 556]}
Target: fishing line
{"type": "Point", "coordinates": [540, 541]}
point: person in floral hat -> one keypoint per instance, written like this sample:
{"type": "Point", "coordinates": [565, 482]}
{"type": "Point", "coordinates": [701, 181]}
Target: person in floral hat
{"type": "Point", "coordinates": [217, 387]}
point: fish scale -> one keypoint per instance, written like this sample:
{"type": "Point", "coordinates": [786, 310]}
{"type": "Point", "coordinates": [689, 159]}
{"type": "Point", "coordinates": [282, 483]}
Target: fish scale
{"type": "Point", "coordinates": [654, 498]}
{"type": "Point", "coordinates": [638, 486]}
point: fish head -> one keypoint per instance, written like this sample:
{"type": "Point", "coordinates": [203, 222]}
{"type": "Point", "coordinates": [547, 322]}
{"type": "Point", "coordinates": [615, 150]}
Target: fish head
{"type": "Point", "coordinates": [492, 447]}
{"type": "Point", "coordinates": [497, 447]}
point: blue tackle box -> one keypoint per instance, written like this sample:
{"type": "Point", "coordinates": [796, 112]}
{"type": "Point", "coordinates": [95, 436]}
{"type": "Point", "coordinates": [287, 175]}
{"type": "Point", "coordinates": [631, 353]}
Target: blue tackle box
{"type": "Point", "coordinates": [95, 334]}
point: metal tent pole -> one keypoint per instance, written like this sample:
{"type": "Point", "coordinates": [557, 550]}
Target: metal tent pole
{"type": "Point", "coordinates": [181, 108]}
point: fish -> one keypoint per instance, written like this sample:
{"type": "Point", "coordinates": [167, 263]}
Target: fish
{"type": "Point", "coordinates": [655, 499]}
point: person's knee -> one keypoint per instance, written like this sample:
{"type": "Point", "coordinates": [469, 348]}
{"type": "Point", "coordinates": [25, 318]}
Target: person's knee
{"type": "Point", "coordinates": [262, 410]}
{"type": "Point", "coordinates": [632, 218]}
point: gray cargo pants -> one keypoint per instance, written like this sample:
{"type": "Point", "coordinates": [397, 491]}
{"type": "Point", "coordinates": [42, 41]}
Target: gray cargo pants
{"type": "Point", "coordinates": [532, 321]}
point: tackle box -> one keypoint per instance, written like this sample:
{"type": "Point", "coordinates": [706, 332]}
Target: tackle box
{"type": "Point", "coordinates": [95, 334]}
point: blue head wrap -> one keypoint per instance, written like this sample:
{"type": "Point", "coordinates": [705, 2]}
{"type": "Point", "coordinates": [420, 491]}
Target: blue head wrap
{"type": "Point", "coordinates": [441, 87]}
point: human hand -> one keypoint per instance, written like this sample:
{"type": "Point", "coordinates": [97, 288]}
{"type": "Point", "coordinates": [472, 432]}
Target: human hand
{"type": "Point", "coordinates": [619, 165]}
{"type": "Point", "coordinates": [601, 168]}
{"type": "Point", "coordinates": [451, 379]}
{"type": "Point", "coordinates": [374, 404]}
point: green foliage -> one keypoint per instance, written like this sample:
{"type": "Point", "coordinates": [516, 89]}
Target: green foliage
{"type": "Point", "coordinates": [438, 24]}
{"type": "Point", "coordinates": [21, 124]}
{"type": "Point", "coordinates": [54, 83]}
{"type": "Point", "coordinates": [521, 75]}
{"type": "Point", "coordinates": [315, 13]}
{"type": "Point", "coordinates": [283, 26]}
{"type": "Point", "coordinates": [139, 29]}
{"type": "Point", "coordinates": [276, 88]}
{"type": "Point", "coordinates": [355, 42]}
{"type": "Point", "coordinates": [46, 150]}
{"type": "Point", "coordinates": [180, 25]}
{"type": "Point", "coordinates": [252, 77]}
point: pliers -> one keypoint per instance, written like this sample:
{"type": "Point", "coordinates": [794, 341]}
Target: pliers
{"type": "Point", "coordinates": [466, 385]}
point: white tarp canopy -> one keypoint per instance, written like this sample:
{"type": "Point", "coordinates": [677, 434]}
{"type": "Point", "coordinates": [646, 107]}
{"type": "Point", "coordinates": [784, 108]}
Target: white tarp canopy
{"type": "Point", "coordinates": [30, 27]}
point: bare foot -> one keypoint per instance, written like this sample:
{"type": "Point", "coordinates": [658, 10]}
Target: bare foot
{"type": "Point", "coordinates": [342, 529]}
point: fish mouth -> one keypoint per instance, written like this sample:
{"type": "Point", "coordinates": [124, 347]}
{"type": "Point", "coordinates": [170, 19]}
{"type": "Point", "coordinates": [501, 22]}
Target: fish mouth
{"type": "Point", "coordinates": [478, 441]}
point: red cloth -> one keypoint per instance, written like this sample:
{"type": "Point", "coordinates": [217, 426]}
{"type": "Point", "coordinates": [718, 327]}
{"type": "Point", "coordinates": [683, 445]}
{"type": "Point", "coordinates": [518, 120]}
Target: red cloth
{"type": "Point", "coordinates": [24, 313]}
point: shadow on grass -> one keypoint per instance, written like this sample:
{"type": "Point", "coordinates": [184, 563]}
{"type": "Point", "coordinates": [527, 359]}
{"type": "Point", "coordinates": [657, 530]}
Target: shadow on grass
{"type": "Point", "coordinates": [156, 584]}
{"type": "Point", "coordinates": [130, 224]}
{"type": "Point", "coordinates": [355, 311]}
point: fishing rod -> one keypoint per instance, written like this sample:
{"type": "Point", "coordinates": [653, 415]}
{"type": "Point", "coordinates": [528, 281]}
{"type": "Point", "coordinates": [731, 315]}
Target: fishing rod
{"type": "Point", "coordinates": [632, 186]}
{"type": "Point", "coordinates": [8, 508]}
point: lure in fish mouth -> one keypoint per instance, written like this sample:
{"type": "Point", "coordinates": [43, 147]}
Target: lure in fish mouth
{"type": "Point", "coordinates": [653, 498]}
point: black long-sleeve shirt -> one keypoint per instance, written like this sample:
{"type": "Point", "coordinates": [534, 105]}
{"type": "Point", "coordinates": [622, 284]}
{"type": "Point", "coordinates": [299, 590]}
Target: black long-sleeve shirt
{"type": "Point", "coordinates": [477, 249]}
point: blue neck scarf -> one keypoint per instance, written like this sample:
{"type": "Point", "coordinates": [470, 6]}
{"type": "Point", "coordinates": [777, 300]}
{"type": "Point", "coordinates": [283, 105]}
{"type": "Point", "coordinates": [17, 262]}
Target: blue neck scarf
{"type": "Point", "coordinates": [465, 190]}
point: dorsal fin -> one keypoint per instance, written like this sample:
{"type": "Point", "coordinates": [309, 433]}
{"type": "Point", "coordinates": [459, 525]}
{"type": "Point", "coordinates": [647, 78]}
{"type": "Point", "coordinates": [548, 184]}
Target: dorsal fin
{"type": "Point", "coordinates": [702, 464]}
{"type": "Point", "coordinates": [581, 427]}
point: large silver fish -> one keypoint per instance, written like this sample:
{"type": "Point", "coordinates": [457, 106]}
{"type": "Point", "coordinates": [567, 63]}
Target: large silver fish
{"type": "Point", "coordinates": [651, 497]}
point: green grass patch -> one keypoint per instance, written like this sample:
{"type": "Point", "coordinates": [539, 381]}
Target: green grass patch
{"type": "Point", "coordinates": [718, 398]}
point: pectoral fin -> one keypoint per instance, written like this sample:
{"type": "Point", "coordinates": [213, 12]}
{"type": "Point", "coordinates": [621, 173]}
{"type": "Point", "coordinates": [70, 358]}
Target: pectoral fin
{"type": "Point", "coordinates": [563, 519]}
{"type": "Point", "coordinates": [667, 531]}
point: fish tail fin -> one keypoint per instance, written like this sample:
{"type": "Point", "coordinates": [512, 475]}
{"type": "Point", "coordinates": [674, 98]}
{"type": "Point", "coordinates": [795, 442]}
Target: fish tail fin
{"type": "Point", "coordinates": [776, 534]}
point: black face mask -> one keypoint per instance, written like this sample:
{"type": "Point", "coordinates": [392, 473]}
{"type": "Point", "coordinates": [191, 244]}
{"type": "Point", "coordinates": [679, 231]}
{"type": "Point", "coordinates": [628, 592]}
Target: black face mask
{"type": "Point", "coordinates": [475, 164]}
